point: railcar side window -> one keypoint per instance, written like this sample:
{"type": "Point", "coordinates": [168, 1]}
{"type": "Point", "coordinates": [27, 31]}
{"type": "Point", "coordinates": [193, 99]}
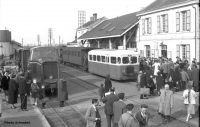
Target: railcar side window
{"type": "Point", "coordinates": [72, 53]}
{"type": "Point", "coordinates": [98, 58]}
{"type": "Point", "coordinates": [94, 57]}
{"type": "Point", "coordinates": [75, 53]}
{"type": "Point", "coordinates": [119, 60]}
{"type": "Point", "coordinates": [78, 53]}
{"type": "Point", "coordinates": [125, 60]}
{"type": "Point", "coordinates": [113, 60]}
{"type": "Point", "coordinates": [107, 60]}
{"type": "Point", "coordinates": [103, 58]}
{"type": "Point", "coordinates": [133, 59]}
{"type": "Point", "coordinates": [90, 56]}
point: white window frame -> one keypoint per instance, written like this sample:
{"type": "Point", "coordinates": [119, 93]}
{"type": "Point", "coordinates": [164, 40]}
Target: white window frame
{"type": "Point", "coordinates": [186, 20]}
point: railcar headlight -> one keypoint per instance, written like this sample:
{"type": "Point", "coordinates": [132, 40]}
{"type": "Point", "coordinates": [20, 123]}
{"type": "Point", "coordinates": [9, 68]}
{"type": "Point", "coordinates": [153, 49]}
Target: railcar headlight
{"type": "Point", "coordinates": [43, 86]}
{"type": "Point", "coordinates": [51, 77]}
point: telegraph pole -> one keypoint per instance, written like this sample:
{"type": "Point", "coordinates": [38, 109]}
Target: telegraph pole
{"type": "Point", "coordinates": [50, 31]}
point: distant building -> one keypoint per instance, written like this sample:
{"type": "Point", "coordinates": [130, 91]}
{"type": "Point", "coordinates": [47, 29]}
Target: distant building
{"type": "Point", "coordinates": [116, 33]}
{"type": "Point", "coordinates": [170, 28]}
{"type": "Point", "coordinates": [88, 26]}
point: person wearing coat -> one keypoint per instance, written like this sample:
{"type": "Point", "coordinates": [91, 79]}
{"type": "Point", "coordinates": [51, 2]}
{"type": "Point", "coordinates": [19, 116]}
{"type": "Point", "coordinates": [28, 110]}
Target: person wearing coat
{"type": "Point", "coordinates": [62, 91]}
{"type": "Point", "coordinates": [143, 83]}
{"type": "Point", "coordinates": [28, 77]}
{"type": "Point", "coordinates": [5, 84]}
{"type": "Point", "coordinates": [195, 77]}
{"type": "Point", "coordinates": [23, 92]}
{"type": "Point", "coordinates": [184, 78]}
{"type": "Point", "coordinates": [128, 119]}
{"type": "Point", "coordinates": [189, 96]}
{"type": "Point", "coordinates": [164, 66]}
{"type": "Point", "coordinates": [108, 108]}
{"type": "Point", "coordinates": [108, 83]}
{"type": "Point", "coordinates": [166, 103]}
{"type": "Point", "coordinates": [150, 84]}
{"type": "Point", "coordinates": [176, 78]}
{"type": "Point", "coordinates": [156, 66]}
{"type": "Point", "coordinates": [119, 107]}
{"type": "Point", "coordinates": [159, 81]}
{"type": "Point", "coordinates": [13, 91]}
{"type": "Point", "coordinates": [143, 116]}
{"type": "Point", "coordinates": [92, 115]}
{"type": "Point", "coordinates": [34, 91]}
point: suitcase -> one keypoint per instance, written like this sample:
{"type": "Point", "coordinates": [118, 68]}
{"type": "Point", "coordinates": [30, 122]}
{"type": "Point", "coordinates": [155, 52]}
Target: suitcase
{"type": "Point", "coordinates": [144, 91]}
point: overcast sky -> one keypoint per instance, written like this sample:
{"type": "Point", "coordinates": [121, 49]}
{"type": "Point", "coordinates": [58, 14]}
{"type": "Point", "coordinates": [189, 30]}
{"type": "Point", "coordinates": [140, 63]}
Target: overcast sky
{"type": "Point", "coordinates": [28, 18]}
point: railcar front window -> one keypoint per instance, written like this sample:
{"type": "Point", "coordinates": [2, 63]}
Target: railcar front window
{"type": "Point", "coordinates": [98, 58]}
{"type": "Point", "coordinates": [94, 57]}
{"type": "Point", "coordinates": [125, 60]}
{"type": "Point", "coordinates": [119, 60]}
{"type": "Point", "coordinates": [133, 59]}
{"type": "Point", "coordinates": [90, 56]}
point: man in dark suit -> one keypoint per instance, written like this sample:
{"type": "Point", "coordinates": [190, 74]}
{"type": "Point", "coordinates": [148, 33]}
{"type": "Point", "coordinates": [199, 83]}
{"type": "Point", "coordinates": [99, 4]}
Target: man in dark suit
{"type": "Point", "coordinates": [23, 91]}
{"type": "Point", "coordinates": [108, 109]}
{"type": "Point", "coordinates": [5, 84]}
{"type": "Point", "coordinates": [28, 78]}
{"type": "Point", "coordinates": [92, 115]}
{"type": "Point", "coordinates": [119, 107]}
{"type": "Point", "coordinates": [143, 116]}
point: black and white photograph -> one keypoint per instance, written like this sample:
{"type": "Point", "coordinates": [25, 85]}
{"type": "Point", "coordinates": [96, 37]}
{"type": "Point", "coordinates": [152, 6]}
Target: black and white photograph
{"type": "Point", "coordinates": [99, 63]}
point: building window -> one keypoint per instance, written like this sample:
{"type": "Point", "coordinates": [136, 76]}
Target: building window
{"type": "Point", "coordinates": [164, 50]}
{"type": "Point", "coordinates": [178, 50]}
{"type": "Point", "coordinates": [164, 23]}
{"type": "Point", "coordinates": [183, 51]}
{"type": "Point", "coordinates": [158, 24]}
{"type": "Point", "coordinates": [186, 20]}
{"type": "Point", "coordinates": [147, 47]}
{"type": "Point", "coordinates": [146, 26]}
{"type": "Point", "coordinates": [177, 21]}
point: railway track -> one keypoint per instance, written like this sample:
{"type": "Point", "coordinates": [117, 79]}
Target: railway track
{"type": "Point", "coordinates": [156, 121]}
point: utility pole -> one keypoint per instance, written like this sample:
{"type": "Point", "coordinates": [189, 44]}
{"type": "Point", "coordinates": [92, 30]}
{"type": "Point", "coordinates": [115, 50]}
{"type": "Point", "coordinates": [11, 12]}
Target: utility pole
{"type": "Point", "coordinates": [22, 41]}
{"type": "Point", "coordinates": [59, 40]}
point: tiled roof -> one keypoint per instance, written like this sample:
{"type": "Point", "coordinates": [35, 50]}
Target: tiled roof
{"type": "Point", "coordinates": [160, 4]}
{"type": "Point", "coordinates": [112, 27]}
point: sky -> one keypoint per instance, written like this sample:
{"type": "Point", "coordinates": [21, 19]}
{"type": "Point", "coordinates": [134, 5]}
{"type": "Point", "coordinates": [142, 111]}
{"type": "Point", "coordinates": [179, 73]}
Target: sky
{"type": "Point", "coordinates": [29, 18]}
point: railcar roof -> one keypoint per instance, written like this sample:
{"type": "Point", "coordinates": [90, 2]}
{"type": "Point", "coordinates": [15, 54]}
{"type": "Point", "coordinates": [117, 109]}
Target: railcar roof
{"type": "Point", "coordinates": [112, 52]}
{"type": "Point", "coordinates": [43, 47]}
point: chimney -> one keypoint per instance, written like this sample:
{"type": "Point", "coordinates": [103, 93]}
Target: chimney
{"type": "Point", "coordinates": [91, 18]}
{"type": "Point", "coordinates": [95, 16]}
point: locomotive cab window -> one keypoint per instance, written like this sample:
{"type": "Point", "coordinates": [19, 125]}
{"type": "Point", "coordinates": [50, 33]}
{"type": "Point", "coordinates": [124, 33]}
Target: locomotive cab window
{"type": "Point", "coordinates": [133, 59]}
{"type": "Point", "coordinates": [113, 60]}
{"type": "Point", "coordinates": [103, 58]}
{"type": "Point", "coordinates": [94, 57]}
{"type": "Point", "coordinates": [98, 58]}
{"type": "Point", "coordinates": [90, 56]}
{"type": "Point", "coordinates": [125, 60]}
{"type": "Point", "coordinates": [78, 53]}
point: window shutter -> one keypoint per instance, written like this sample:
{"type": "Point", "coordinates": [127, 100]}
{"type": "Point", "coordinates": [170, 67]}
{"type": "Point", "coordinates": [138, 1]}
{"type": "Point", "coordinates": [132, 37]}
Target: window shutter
{"type": "Point", "coordinates": [166, 23]}
{"type": "Point", "coordinates": [158, 24]}
{"type": "Point", "coordinates": [149, 25]}
{"type": "Point", "coordinates": [178, 50]}
{"type": "Point", "coordinates": [177, 21]}
{"type": "Point", "coordinates": [188, 20]}
{"type": "Point", "coordinates": [188, 52]}
{"type": "Point", "coordinates": [143, 23]}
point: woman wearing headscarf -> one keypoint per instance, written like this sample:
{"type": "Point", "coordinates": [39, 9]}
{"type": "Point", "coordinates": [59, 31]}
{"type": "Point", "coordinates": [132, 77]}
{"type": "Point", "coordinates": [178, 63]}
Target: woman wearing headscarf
{"type": "Point", "coordinates": [189, 96]}
{"type": "Point", "coordinates": [176, 78]}
{"type": "Point", "coordinates": [13, 91]}
{"type": "Point", "coordinates": [108, 83]}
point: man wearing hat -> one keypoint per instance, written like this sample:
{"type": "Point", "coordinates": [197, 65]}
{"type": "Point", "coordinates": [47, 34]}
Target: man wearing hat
{"type": "Point", "coordinates": [28, 77]}
{"type": "Point", "coordinates": [23, 91]}
{"type": "Point", "coordinates": [108, 108]}
{"type": "Point", "coordinates": [119, 107]}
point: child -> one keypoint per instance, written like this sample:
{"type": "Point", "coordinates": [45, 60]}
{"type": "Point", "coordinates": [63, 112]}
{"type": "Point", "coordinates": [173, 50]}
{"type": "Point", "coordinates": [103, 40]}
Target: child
{"type": "Point", "coordinates": [101, 92]}
{"type": "Point", "coordinates": [34, 91]}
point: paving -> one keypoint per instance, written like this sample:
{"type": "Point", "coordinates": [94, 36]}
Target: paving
{"type": "Point", "coordinates": [132, 94]}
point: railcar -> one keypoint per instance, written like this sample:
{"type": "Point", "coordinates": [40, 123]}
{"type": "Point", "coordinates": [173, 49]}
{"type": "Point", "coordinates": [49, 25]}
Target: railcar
{"type": "Point", "coordinates": [76, 56]}
{"type": "Point", "coordinates": [45, 66]}
{"type": "Point", "coordinates": [119, 64]}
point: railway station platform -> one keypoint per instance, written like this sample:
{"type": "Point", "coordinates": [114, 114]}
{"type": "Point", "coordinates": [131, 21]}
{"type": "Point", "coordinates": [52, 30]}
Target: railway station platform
{"type": "Point", "coordinates": [18, 118]}
{"type": "Point", "coordinates": [133, 95]}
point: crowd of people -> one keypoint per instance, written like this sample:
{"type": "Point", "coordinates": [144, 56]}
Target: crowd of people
{"type": "Point", "coordinates": [17, 83]}
{"type": "Point", "coordinates": [163, 78]}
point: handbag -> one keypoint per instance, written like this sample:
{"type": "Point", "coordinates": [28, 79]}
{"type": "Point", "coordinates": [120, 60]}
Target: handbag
{"type": "Point", "coordinates": [44, 100]}
{"type": "Point", "coordinates": [144, 91]}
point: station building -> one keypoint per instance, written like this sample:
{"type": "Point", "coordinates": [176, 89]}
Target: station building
{"type": "Point", "coordinates": [170, 28]}
{"type": "Point", "coordinates": [7, 45]}
{"type": "Point", "coordinates": [116, 33]}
